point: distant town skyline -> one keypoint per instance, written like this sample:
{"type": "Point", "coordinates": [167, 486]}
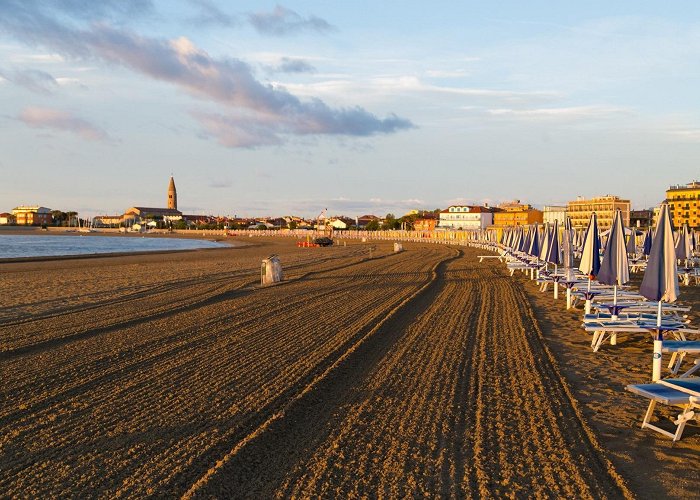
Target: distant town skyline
{"type": "Point", "coordinates": [359, 107]}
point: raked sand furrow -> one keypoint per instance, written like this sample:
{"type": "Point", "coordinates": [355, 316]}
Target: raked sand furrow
{"type": "Point", "coordinates": [156, 416]}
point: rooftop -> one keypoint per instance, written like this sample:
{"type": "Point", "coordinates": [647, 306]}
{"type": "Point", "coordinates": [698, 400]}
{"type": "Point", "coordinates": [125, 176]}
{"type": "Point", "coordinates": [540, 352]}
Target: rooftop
{"type": "Point", "coordinates": [690, 185]}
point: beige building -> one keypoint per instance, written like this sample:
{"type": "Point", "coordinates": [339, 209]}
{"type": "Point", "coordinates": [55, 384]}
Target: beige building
{"type": "Point", "coordinates": [551, 213]}
{"type": "Point", "coordinates": [604, 207]}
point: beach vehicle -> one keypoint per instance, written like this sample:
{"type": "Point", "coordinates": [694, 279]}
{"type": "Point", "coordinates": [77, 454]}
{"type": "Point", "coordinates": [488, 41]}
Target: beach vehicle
{"type": "Point", "coordinates": [323, 241]}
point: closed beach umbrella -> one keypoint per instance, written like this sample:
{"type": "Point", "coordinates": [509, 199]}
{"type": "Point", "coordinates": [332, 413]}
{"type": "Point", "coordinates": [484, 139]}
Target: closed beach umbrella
{"type": "Point", "coordinates": [660, 280]}
{"type": "Point", "coordinates": [518, 240]}
{"type": "Point", "coordinates": [515, 240]}
{"type": "Point", "coordinates": [534, 249]}
{"type": "Point", "coordinates": [545, 242]}
{"type": "Point", "coordinates": [631, 243]}
{"type": "Point", "coordinates": [553, 255]}
{"type": "Point", "coordinates": [567, 260]}
{"type": "Point", "coordinates": [647, 243]}
{"type": "Point", "coordinates": [684, 249]}
{"type": "Point", "coordinates": [525, 243]}
{"type": "Point", "coordinates": [614, 269]}
{"type": "Point", "coordinates": [567, 246]}
{"type": "Point", "coordinates": [590, 256]}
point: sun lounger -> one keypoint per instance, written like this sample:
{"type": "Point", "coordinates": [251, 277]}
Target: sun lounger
{"type": "Point", "coordinates": [499, 257]}
{"type": "Point", "coordinates": [678, 350]}
{"type": "Point", "coordinates": [682, 392]}
{"type": "Point", "coordinates": [603, 329]}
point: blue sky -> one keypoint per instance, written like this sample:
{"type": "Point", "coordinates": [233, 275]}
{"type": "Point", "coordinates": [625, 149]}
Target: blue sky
{"type": "Point", "coordinates": [361, 107]}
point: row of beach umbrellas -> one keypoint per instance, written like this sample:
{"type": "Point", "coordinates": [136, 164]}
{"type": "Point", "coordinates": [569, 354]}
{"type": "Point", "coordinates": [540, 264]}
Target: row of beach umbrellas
{"type": "Point", "coordinates": [660, 281]}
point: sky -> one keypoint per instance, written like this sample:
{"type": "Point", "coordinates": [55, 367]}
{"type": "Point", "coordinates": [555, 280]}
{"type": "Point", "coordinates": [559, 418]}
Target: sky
{"type": "Point", "coordinates": [359, 107]}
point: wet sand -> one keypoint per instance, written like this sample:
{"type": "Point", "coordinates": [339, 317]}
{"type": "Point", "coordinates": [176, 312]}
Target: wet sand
{"type": "Point", "coordinates": [422, 373]}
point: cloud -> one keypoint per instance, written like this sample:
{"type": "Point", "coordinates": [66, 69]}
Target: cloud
{"type": "Point", "coordinates": [246, 130]}
{"type": "Point", "coordinates": [258, 114]}
{"type": "Point", "coordinates": [684, 135]}
{"type": "Point", "coordinates": [291, 65]}
{"type": "Point", "coordinates": [282, 21]}
{"type": "Point", "coordinates": [560, 114]}
{"type": "Point", "coordinates": [210, 14]}
{"type": "Point", "coordinates": [55, 119]}
{"type": "Point", "coordinates": [32, 79]}
{"type": "Point", "coordinates": [220, 183]}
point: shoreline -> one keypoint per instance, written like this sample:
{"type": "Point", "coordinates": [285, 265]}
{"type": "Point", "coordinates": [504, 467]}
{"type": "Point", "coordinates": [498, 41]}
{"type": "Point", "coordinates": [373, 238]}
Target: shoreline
{"type": "Point", "coordinates": [228, 243]}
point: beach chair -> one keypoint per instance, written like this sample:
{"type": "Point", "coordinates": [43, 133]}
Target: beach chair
{"type": "Point", "coordinates": [678, 350]}
{"type": "Point", "coordinates": [681, 392]}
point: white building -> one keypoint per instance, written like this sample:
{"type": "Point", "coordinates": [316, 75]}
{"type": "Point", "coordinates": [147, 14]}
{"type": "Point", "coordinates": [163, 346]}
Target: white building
{"type": "Point", "coordinates": [465, 217]}
{"type": "Point", "coordinates": [552, 213]}
{"type": "Point", "coordinates": [338, 224]}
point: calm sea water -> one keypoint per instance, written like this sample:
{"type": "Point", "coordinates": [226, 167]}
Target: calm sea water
{"type": "Point", "coordinates": [12, 246]}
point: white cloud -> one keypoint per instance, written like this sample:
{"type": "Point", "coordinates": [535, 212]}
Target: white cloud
{"type": "Point", "coordinates": [66, 121]}
{"type": "Point", "coordinates": [572, 113]}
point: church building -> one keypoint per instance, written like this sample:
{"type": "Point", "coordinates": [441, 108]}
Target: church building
{"type": "Point", "coordinates": [169, 214]}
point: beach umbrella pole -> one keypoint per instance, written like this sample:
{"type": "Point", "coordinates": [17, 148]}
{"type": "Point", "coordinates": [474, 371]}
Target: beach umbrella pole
{"type": "Point", "coordinates": [588, 300]}
{"type": "Point", "coordinates": [658, 344]}
{"type": "Point", "coordinates": [568, 297]}
{"type": "Point", "coordinates": [613, 336]}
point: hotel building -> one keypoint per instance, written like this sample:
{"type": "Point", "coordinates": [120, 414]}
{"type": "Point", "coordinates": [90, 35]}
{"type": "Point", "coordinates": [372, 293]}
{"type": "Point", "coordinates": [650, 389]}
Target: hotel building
{"type": "Point", "coordinates": [683, 204]}
{"type": "Point", "coordinates": [514, 213]}
{"type": "Point", "coordinates": [604, 207]}
{"type": "Point", "coordinates": [465, 217]}
{"type": "Point", "coordinates": [32, 215]}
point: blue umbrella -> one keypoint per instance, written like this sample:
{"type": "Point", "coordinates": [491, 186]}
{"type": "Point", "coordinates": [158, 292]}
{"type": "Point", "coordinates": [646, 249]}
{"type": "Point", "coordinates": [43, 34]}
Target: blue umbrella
{"type": "Point", "coordinates": [545, 242]}
{"type": "Point", "coordinates": [660, 280]}
{"type": "Point", "coordinates": [553, 255]}
{"type": "Point", "coordinates": [647, 243]}
{"type": "Point", "coordinates": [525, 243]}
{"type": "Point", "coordinates": [631, 242]}
{"type": "Point", "coordinates": [614, 269]}
{"type": "Point", "coordinates": [534, 249]}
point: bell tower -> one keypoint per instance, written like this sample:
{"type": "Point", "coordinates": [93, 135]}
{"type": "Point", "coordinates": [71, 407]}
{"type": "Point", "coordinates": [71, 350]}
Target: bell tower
{"type": "Point", "coordinates": [172, 194]}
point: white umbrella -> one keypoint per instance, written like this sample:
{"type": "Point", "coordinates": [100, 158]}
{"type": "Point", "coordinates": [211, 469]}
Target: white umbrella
{"type": "Point", "coordinates": [614, 270]}
{"type": "Point", "coordinates": [660, 280]}
{"type": "Point", "coordinates": [567, 258]}
{"type": "Point", "coordinates": [590, 255]}
{"type": "Point", "coordinates": [684, 245]}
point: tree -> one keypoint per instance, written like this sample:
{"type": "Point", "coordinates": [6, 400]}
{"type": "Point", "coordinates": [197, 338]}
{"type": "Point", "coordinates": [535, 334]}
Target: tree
{"type": "Point", "coordinates": [390, 222]}
{"type": "Point", "coordinates": [293, 224]}
{"type": "Point", "coordinates": [372, 225]}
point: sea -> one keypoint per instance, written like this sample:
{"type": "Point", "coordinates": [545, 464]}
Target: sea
{"type": "Point", "coordinates": [14, 246]}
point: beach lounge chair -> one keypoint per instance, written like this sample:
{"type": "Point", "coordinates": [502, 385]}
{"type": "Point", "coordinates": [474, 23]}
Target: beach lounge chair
{"type": "Point", "coordinates": [682, 392]}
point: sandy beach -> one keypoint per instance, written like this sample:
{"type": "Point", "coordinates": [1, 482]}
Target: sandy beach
{"type": "Point", "coordinates": [419, 373]}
